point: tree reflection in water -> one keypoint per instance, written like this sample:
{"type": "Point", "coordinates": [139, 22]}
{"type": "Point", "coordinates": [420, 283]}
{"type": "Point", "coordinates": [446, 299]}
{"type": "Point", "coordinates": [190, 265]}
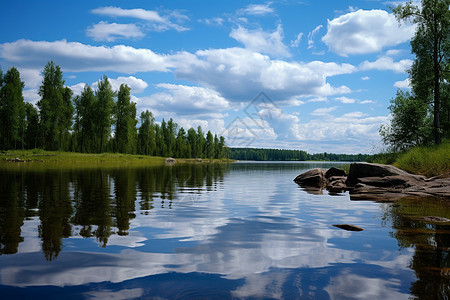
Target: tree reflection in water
{"type": "Point", "coordinates": [429, 238]}
{"type": "Point", "coordinates": [92, 202]}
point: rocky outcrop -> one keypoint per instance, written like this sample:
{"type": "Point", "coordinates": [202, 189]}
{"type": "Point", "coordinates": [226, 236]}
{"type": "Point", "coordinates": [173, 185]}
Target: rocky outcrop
{"type": "Point", "coordinates": [367, 181]}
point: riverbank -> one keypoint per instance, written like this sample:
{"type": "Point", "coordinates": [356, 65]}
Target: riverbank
{"type": "Point", "coordinates": [37, 158]}
{"type": "Point", "coordinates": [428, 161]}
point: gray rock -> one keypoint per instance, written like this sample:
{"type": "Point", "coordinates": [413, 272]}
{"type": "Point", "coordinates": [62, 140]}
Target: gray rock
{"type": "Point", "coordinates": [312, 178]}
{"type": "Point", "coordinates": [334, 172]}
{"type": "Point", "coordinates": [383, 183]}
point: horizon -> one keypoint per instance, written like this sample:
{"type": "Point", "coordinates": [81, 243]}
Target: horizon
{"type": "Point", "coordinates": [292, 75]}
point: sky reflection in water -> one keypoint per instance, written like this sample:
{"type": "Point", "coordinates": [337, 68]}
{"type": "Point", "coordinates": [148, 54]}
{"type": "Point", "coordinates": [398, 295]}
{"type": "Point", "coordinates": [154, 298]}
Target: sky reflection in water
{"type": "Point", "coordinates": [240, 230]}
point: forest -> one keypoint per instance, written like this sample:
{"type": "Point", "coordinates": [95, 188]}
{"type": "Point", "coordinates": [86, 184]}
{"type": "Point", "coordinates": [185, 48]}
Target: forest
{"type": "Point", "coordinates": [290, 155]}
{"type": "Point", "coordinates": [93, 122]}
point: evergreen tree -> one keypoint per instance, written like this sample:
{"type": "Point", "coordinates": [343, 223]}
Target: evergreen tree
{"type": "Point", "coordinates": [192, 141]}
{"type": "Point", "coordinates": [51, 106]}
{"type": "Point", "coordinates": [146, 137]}
{"type": "Point", "coordinates": [105, 102]}
{"type": "Point", "coordinates": [209, 145]}
{"type": "Point", "coordinates": [125, 135]}
{"type": "Point", "coordinates": [85, 106]}
{"type": "Point", "coordinates": [201, 143]}
{"type": "Point", "coordinates": [12, 110]}
{"type": "Point", "coordinates": [32, 126]}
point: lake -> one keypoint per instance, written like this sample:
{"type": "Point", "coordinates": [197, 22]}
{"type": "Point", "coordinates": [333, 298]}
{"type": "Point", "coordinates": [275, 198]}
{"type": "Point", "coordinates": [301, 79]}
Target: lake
{"type": "Point", "coordinates": [220, 231]}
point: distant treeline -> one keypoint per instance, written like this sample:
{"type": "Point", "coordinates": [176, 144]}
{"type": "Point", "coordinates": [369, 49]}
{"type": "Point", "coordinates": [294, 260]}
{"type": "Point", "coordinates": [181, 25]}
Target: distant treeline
{"type": "Point", "coordinates": [94, 122]}
{"type": "Point", "coordinates": [290, 155]}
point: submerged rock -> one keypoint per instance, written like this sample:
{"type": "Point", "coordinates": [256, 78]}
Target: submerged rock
{"type": "Point", "coordinates": [349, 227]}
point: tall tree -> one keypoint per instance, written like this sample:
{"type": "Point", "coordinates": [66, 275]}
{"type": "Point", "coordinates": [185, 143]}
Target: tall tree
{"type": "Point", "coordinates": [12, 110]}
{"type": "Point", "coordinates": [32, 126]}
{"type": "Point", "coordinates": [125, 135]}
{"type": "Point", "coordinates": [146, 137]}
{"type": "Point", "coordinates": [105, 102]}
{"type": "Point", "coordinates": [51, 106]}
{"type": "Point", "coordinates": [85, 120]}
{"type": "Point", "coordinates": [209, 145]}
{"type": "Point", "coordinates": [430, 44]}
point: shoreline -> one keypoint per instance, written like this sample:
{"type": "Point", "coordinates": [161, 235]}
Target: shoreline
{"type": "Point", "coordinates": [41, 159]}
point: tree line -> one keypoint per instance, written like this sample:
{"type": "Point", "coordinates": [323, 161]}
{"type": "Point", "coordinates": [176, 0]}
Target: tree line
{"type": "Point", "coordinates": [97, 121]}
{"type": "Point", "coordinates": [260, 154]}
{"type": "Point", "coordinates": [422, 116]}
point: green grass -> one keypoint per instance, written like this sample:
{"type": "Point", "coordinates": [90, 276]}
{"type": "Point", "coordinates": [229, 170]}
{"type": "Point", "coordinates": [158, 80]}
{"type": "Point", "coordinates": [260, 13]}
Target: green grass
{"type": "Point", "coordinates": [37, 158]}
{"type": "Point", "coordinates": [428, 161]}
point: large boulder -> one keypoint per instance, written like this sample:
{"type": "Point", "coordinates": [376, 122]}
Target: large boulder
{"type": "Point", "coordinates": [312, 178]}
{"type": "Point", "coordinates": [377, 182]}
{"type": "Point", "coordinates": [334, 172]}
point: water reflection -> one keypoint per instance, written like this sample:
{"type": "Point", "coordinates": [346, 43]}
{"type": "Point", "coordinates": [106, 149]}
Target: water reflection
{"type": "Point", "coordinates": [414, 225]}
{"type": "Point", "coordinates": [90, 203]}
{"type": "Point", "coordinates": [241, 230]}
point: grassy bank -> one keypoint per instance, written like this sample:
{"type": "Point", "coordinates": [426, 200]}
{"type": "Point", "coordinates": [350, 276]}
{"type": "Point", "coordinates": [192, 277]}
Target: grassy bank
{"type": "Point", "coordinates": [428, 161]}
{"type": "Point", "coordinates": [55, 159]}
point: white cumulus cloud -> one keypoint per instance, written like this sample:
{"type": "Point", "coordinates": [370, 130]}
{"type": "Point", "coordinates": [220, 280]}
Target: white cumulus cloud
{"type": "Point", "coordinates": [365, 31]}
{"type": "Point", "coordinates": [257, 9]}
{"type": "Point", "coordinates": [387, 63]}
{"type": "Point", "coordinates": [78, 57]}
{"type": "Point", "coordinates": [261, 41]}
{"type": "Point", "coordinates": [110, 32]}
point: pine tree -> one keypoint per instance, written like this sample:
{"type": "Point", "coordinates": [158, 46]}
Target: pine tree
{"type": "Point", "coordinates": [12, 110]}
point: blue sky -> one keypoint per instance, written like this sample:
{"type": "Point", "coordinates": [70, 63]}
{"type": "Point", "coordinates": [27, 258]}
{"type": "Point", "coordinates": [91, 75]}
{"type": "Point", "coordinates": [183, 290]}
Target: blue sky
{"type": "Point", "coordinates": [310, 75]}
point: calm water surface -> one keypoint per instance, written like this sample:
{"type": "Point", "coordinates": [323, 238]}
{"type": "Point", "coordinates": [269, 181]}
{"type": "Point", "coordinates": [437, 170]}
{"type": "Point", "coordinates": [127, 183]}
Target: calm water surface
{"type": "Point", "coordinates": [244, 230]}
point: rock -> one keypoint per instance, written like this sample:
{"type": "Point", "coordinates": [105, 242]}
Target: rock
{"type": "Point", "coordinates": [349, 227]}
{"type": "Point", "coordinates": [336, 184]}
{"type": "Point", "coordinates": [383, 183]}
{"type": "Point", "coordinates": [170, 161]}
{"type": "Point", "coordinates": [312, 178]}
{"type": "Point", "coordinates": [434, 219]}
{"type": "Point", "coordinates": [334, 172]}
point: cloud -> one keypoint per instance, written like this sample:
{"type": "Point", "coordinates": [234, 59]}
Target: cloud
{"type": "Point", "coordinates": [105, 31]}
{"type": "Point", "coordinates": [404, 84]}
{"type": "Point", "coordinates": [185, 100]}
{"type": "Point", "coordinates": [261, 41]}
{"type": "Point", "coordinates": [365, 31]}
{"type": "Point", "coordinates": [323, 111]}
{"type": "Point", "coordinates": [31, 77]}
{"type": "Point", "coordinates": [77, 57]}
{"type": "Point", "coordinates": [311, 36]}
{"type": "Point", "coordinates": [237, 74]}
{"type": "Point", "coordinates": [295, 43]}
{"type": "Point", "coordinates": [345, 100]}
{"type": "Point", "coordinates": [31, 95]}
{"type": "Point", "coordinates": [386, 63]}
{"type": "Point", "coordinates": [160, 23]}
{"type": "Point", "coordinates": [137, 85]}
{"type": "Point", "coordinates": [257, 9]}
{"type": "Point", "coordinates": [365, 78]}
{"type": "Point", "coordinates": [240, 74]}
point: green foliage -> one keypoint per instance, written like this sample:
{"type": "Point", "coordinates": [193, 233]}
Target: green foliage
{"type": "Point", "coordinates": [51, 107]}
{"type": "Point", "coordinates": [429, 73]}
{"type": "Point", "coordinates": [125, 136]}
{"type": "Point", "coordinates": [289, 155]}
{"type": "Point", "coordinates": [12, 110]}
{"type": "Point", "coordinates": [104, 109]}
{"type": "Point", "coordinates": [83, 123]}
{"type": "Point", "coordinates": [410, 124]}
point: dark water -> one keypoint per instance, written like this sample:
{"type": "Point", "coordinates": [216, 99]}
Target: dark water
{"type": "Point", "coordinates": [244, 230]}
